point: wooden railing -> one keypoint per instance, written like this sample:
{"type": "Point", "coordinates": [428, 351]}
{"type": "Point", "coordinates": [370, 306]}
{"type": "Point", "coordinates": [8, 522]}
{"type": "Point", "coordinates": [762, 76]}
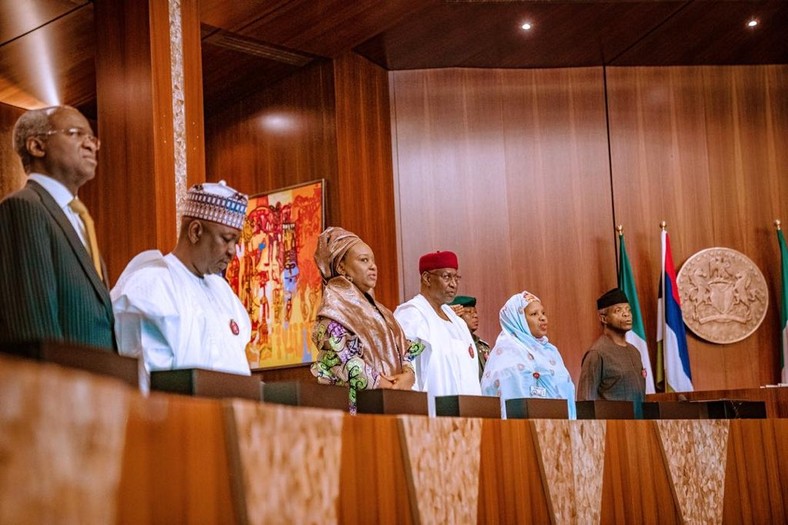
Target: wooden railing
{"type": "Point", "coordinates": [81, 448]}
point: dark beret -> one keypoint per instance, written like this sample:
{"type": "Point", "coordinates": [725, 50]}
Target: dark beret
{"type": "Point", "coordinates": [611, 297]}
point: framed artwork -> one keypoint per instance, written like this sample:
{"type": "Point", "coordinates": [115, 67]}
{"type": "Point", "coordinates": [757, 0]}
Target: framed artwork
{"type": "Point", "coordinates": [275, 276]}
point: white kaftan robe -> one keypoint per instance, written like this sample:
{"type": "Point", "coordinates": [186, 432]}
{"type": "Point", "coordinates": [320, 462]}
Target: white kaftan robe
{"type": "Point", "coordinates": [449, 364]}
{"type": "Point", "coordinates": [171, 318]}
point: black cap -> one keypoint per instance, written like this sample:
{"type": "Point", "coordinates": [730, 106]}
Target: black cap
{"type": "Point", "coordinates": [611, 297]}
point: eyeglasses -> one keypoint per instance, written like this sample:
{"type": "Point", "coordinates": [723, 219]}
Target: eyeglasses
{"type": "Point", "coordinates": [78, 134]}
{"type": "Point", "coordinates": [447, 277]}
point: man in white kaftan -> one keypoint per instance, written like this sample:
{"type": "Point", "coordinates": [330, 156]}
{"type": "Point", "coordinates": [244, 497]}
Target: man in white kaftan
{"type": "Point", "coordinates": [175, 311]}
{"type": "Point", "coordinates": [449, 364]}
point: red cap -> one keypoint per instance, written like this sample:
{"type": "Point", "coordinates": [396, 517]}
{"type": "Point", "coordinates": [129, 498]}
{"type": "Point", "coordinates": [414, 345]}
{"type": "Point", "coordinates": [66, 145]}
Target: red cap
{"type": "Point", "coordinates": [437, 260]}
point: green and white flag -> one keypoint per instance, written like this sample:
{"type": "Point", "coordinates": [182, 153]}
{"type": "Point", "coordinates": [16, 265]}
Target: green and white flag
{"type": "Point", "coordinates": [637, 336]}
{"type": "Point", "coordinates": [784, 308]}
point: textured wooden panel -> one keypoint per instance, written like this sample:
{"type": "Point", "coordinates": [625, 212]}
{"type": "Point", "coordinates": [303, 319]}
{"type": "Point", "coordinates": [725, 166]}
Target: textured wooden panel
{"type": "Point", "coordinates": [509, 168]}
{"type": "Point", "coordinates": [175, 463]}
{"type": "Point", "coordinates": [510, 487]}
{"type": "Point", "coordinates": [695, 453]}
{"type": "Point", "coordinates": [288, 461]}
{"type": "Point", "coordinates": [571, 459]}
{"type": "Point", "coordinates": [636, 486]}
{"type": "Point", "coordinates": [373, 480]}
{"type": "Point", "coordinates": [704, 149]}
{"type": "Point", "coordinates": [756, 488]}
{"type": "Point", "coordinates": [194, 132]}
{"type": "Point", "coordinates": [61, 444]}
{"type": "Point", "coordinates": [436, 451]}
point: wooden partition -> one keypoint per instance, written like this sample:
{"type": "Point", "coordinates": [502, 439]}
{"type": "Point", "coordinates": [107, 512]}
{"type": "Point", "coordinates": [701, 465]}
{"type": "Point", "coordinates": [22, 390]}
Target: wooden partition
{"type": "Point", "coordinates": [515, 171]}
{"type": "Point", "coordinates": [173, 459]}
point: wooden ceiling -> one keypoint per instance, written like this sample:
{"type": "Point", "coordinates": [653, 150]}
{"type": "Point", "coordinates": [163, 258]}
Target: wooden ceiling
{"type": "Point", "coordinates": [47, 47]}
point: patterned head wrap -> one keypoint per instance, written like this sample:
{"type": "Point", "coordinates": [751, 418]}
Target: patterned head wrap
{"type": "Point", "coordinates": [512, 317]}
{"type": "Point", "coordinates": [332, 245]}
{"type": "Point", "coordinates": [216, 202]}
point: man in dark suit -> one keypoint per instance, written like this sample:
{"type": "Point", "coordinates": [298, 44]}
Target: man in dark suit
{"type": "Point", "coordinates": [51, 284]}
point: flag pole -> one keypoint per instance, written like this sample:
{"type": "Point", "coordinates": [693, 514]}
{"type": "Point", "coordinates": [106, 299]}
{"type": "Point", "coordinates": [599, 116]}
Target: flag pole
{"type": "Point", "coordinates": [663, 226]}
{"type": "Point", "coordinates": [784, 309]}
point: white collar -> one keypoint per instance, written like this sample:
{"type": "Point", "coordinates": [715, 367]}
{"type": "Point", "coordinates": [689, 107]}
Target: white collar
{"type": "Point", "coordinates": [55, 188]}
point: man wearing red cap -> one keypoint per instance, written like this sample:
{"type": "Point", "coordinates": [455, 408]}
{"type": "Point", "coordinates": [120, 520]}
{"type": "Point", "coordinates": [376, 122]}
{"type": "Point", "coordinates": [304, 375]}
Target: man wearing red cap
{"type": "Point", "coordinates": [449, 364]}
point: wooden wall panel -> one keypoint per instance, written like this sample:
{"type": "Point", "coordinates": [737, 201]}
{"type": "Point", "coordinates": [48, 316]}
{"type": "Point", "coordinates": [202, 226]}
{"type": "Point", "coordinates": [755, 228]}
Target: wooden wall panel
{"type": "Point", "coordinates": [365, 185]}
{"type": "Point", "coordinates": [509, 168]}
{"type": "Point", "coordinates": [175, 465]}
{"type": "Point", "coordinates": [636, 485]}
{"type": "Point", "coordinates": [374, 487]}
{"type": "Point", "coordinates": [12, 175]}
{"type": "Point", "coordinates": [704, 148]}
{"type": "Point", "coordinates": [754, 490]}
{"type": "Point", "coordinates": [509, 492]}
{"type": "Point", "coordinates": [279, 137]}
{"type": "Point", "coordinates": [135, 184]}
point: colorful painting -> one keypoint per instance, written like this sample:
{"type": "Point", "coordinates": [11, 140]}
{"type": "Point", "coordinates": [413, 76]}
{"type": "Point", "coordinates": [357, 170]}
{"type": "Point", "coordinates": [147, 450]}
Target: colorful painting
{"type": "Point", "coordinates": [275, 276]}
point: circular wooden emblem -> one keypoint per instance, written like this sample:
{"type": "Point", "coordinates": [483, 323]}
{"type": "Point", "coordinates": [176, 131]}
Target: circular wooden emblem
{"type": "Point", "coordinates": [723, 295]}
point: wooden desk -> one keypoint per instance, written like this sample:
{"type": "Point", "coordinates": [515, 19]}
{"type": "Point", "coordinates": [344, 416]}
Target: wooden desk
{"type": "Point", "coordinates": [183, 459]}
{"type": "Point", "coordinates": [776, 398]}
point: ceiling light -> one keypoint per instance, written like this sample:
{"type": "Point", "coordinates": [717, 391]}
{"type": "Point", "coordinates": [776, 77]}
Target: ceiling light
{"type": "Point", "coordinates": [526, 26]}
{"type": "Point", "coordinates": [752, 22]}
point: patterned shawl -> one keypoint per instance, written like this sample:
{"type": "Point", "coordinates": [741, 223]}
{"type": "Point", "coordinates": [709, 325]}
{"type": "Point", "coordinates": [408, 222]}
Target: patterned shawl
{"type": "Point", "coordinates": [382, 339]}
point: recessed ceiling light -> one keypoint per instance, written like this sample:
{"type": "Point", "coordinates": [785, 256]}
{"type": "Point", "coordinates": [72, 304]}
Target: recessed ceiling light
{"type": "Point", "coordinates": [526, 26]}
{"type": "Point", "coordinates": [752, 22]}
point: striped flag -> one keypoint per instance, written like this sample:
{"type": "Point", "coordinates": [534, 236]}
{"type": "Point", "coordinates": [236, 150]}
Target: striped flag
{"type": "Point", "coordinates": [637, 336]}
{"type": "Point", "coordinates": [672, 354]}
{"type": "Point", "coordinates": [784, 309]}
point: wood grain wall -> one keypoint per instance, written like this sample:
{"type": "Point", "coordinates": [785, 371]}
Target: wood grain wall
{"type": "Point", "coordinates": [514, 171]}
{"type": "Point", "coordinates": [705, 149]}
{"type": "Point", "coordinates": [365, 186]}
{"type": "Point", "coordinates": [279, 137]}
{"type": "Point", "coordinates": [12, 175]}
{"type": "Point", "coordinates": [509, 169]}
{"type": "Point", "coordinates": [329, 121]}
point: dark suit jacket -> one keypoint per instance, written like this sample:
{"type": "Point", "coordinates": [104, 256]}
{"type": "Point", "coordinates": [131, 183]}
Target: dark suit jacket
{"type": "Point", "coordinates": [49, 288]}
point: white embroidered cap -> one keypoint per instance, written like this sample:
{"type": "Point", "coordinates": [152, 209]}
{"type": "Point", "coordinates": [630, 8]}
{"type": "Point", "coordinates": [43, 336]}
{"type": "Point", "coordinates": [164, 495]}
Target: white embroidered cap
{"type": "Point", "coordinates": [216, 202]}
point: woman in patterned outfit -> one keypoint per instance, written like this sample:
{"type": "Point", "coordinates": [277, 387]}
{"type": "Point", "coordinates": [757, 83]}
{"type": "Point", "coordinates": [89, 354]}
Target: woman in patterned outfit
{"type": "Point", "coordinates": [361, 344]}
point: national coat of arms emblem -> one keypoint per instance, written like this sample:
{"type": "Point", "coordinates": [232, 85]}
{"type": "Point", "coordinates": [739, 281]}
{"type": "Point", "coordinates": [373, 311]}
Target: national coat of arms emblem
{"type": "Point", "coordinates": [724, 297]}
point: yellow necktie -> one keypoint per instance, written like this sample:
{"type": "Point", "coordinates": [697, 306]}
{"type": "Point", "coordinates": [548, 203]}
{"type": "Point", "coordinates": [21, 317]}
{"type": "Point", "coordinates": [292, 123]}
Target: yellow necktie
{"type": "Point", "coordinates": [90, 231]}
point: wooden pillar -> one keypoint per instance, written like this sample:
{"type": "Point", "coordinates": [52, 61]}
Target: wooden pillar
{"type": "Point", "coordinates": [150, 120]}
{"type": "Point", "coordinates": [365, 178]}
